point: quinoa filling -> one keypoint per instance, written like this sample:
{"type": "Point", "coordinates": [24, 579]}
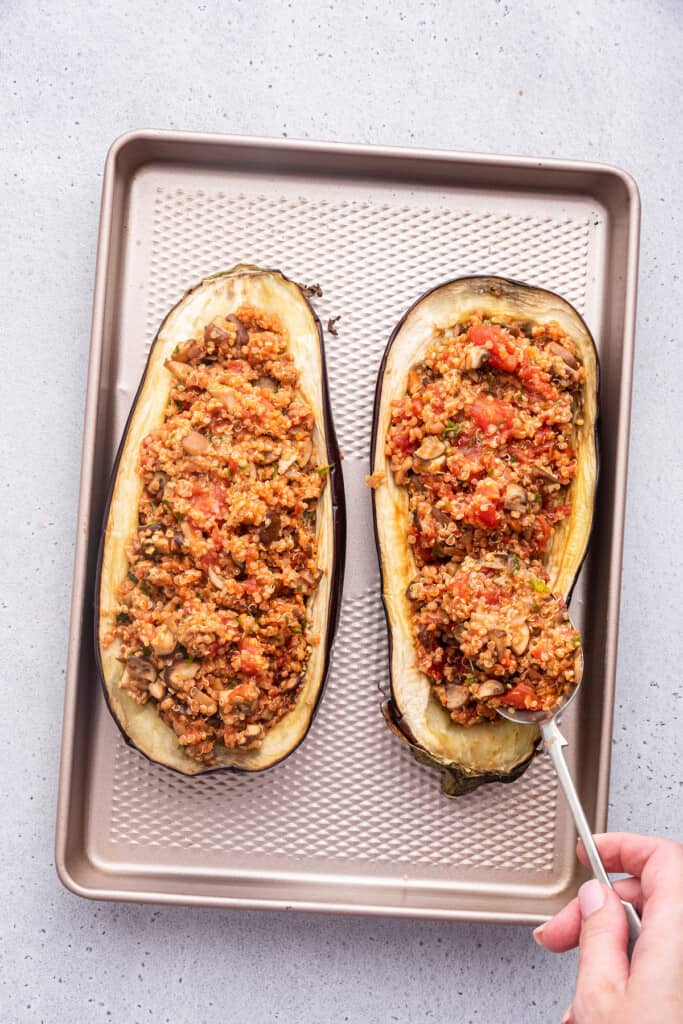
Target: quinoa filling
{"type": "Point", "coordinates": [483, 443]}
{"type": "Point", "coordinates": [212, 616]}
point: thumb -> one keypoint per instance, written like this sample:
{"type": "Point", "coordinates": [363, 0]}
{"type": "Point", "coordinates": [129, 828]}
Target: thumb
{"type": "Point", "coordinates": [603, 960]}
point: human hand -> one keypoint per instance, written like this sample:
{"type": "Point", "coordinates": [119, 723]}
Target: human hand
{"type": "Point", "coordinates": [609, 989]}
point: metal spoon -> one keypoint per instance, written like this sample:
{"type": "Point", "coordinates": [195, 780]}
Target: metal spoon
{"type": "Point", "coordinates": [553, 741]}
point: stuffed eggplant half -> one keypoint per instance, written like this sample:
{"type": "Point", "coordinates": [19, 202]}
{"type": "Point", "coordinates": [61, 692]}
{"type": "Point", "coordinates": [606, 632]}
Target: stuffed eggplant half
{"type": "Point", "coordinates": [484, 467]}
{"type": "Point", "coordinates": [220, 568]}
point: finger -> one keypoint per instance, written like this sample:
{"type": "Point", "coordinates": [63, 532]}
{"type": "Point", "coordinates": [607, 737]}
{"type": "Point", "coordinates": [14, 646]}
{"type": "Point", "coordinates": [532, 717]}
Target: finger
{"type": "Point", "coordinates": [568, 1015]}
{"type": "Point", "coordinates": [627, 853]}
{"type": "Point", "coordinates": [562, 931]}
{"type": "Point", "coordinates": [603, 960]}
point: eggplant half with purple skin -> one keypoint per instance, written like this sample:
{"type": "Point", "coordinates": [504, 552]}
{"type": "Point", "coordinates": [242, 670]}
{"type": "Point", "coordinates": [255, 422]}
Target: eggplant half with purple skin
{"type": "Point", "coordinates": [496, 751]}
{"type": "Point", "coordinates": [220, 296]}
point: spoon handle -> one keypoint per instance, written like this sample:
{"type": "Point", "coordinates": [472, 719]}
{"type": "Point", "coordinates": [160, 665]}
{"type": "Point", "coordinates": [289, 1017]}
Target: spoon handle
{"type": "Point", "coordinates": [553, 741]}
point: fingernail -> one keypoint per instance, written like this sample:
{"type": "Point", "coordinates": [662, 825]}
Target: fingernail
{"type": "Point", "coordinates": [538, 934]}
{"type": "Point", "coordinates": [567, 1016]}
{"type": "Point", "coordinates": [591, 897]}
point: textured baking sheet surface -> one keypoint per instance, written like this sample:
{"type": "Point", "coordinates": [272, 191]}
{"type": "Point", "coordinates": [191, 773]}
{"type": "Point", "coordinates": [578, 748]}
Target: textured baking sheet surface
{"type": "Point", "coordinates": [351, 799]}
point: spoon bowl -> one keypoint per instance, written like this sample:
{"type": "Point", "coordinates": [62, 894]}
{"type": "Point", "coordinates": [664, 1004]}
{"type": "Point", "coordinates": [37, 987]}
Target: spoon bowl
{"type": "Point", "coordinates": [550, 714]}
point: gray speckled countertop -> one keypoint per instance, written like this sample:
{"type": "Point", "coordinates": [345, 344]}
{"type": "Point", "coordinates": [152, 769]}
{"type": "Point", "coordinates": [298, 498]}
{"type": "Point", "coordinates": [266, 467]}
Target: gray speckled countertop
{"type": "Point", "coordinates": [601, 81]}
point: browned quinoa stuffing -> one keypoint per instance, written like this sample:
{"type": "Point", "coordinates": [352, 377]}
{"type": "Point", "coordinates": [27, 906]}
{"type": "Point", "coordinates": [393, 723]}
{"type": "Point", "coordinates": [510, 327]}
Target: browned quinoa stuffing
{"type": "Point", "coordinates": [212, 616]}
{"type": "Point", "coordinates": [491, 633]}
{"type": "Point", "coordinates": [483, 443]}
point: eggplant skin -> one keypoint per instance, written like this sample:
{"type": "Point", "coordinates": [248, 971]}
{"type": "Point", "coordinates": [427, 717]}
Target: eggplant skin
{"type": "Point", "coordinates": [221, 294]}
{"type": "Point", "coordinates": [500, 751]}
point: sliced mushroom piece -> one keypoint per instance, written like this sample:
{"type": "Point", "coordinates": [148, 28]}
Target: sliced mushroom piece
{"type": "Point", "coordinates": [564, 354]}
{"type": "Point", "coordinates": [157, 690]}
{"type": "Point", "coordinates": [456, 696]}
{"type": "Point", "coordinates": [214, 333]}
{"type": "Point", "coordinates": [207, 705]}
{"type": "Point", "coordinates": [266, 383]}
{"type": "Point", "coordinates": [181, 371]}
{"type": "Point", "coordinates": [431, 448]}
{"type": "Point", "coordinates": [430, 456]}
{"type": "Point", "coordinates": [157, 484]}
{"type": "Point", "coordinates": [287, 460]}
{"type": "Point", "coordinates": [228, 400]}
{"type": "Point", "coordinates": [189, 350]}
{"type": "Point", "coordinates": [519, 638]}
{"type": "Point", "coordinates": [490, 688]}
{"type": "Point", "coordinates": [476, 357]}
{"type": "Point", "coordinates": [140, 669]}
{"type": "Point", "coordinates": [515, 498]}
{"type": "Point", "coordinates": [231, 566]}
{"type": "Point", "coordinates": [499, 637]}
{"type": "Point", "coordinates": [242, 336]}
{"type": "Point", "coordinates": [544, 474]}
{"type": "Point", "coordinates": [306, 451]}
{"type": "Point", "coordinates": [195, 443]}
{"type": "Point", "coordinates": [164, 642]}
{"type": "Point", "coordinates": [440, 516]}
{"type": "Point", "coordinates": [216, 578]}
{"type": "Point", "coordinates": [411, 590]}
{"type": "Point", "coordinates": [180, 674]}
{"type": "Point", "coordinates": [269, 454]}
{"type": "Point", "coordinates": [271, 529]}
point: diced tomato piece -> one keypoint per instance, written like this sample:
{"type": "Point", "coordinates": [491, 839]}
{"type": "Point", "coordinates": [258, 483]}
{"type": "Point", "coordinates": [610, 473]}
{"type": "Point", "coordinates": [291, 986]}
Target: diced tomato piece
{"type": "Point", "coordinates": [209, 500]}
{"type": "Point", "coordinates": [542, 532]}
{"type": "Point", "coordinates": [403, 442]}
{"type": "Point", "coordinates": [487, 412]}
{"type": "Point", "coordinates": [503, 352]}
{"type": "Point", "coordinates": [520, 696]}
{"type": "Point", "coordinates": [486, 502]}
{"type": "Point", "coordinates": [437, 404]}
{"type": "Point", "coordinates": [535, 379]}
{"type": "Point", "coordinates": [460, 585]}
{"type": "Point", "coordinates": [252, 660]}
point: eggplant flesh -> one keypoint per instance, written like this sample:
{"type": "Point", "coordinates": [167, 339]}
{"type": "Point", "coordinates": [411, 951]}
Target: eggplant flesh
{"type": "Point", "coordinates": [499, 751]}
{"type": "Point", "coordinates": [221, 295]}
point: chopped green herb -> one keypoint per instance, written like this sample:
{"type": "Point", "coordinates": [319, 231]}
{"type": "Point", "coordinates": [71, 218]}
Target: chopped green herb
{"type": "Point", "coordinates": [514, 559]}
{"type": "Point", "coordinates": [180, 405]}
{"type": "Point", "coordinates": [132, 577]}
{"type": "Point", "coordinates": [489, 379]}
{"type": "Point", "coordinates": [122, 618]}
{"type": "Point", "coordinates": [539, 586]}
{"type": "Point", "coordinates": [189, 658]}
{"type": "Point", "coordinates": [176, 350]}
{"type": "Point", "coordinates": [323, 470]}
{"type": "Point", "coordinates": [147, 650]}
{"type": "Point", "coordinates": [470, 680]}
{"type": "Point", "coordinates": [534, 607]}
{"type": "Point", "coordinates": [452, 429]}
